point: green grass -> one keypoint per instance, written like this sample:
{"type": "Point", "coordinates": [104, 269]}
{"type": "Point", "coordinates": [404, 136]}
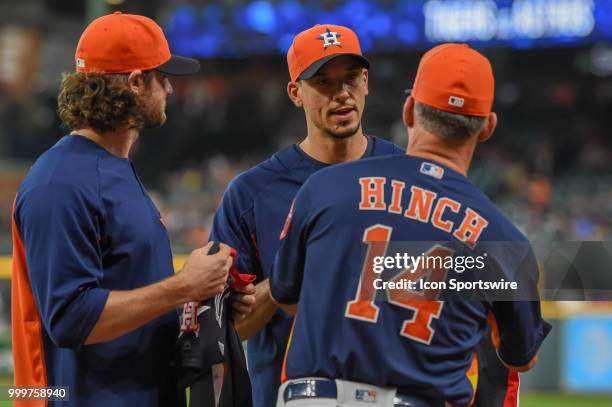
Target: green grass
{"type": "Point", "coordinates": [563, 400]}
{"type": "Point", "coordinates": [6, 381]}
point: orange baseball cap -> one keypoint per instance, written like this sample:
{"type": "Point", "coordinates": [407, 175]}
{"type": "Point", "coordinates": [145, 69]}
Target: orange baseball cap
{"type": "Point", "coordinates": [314, 47]}
{"type": "Point", "coordinates": [455, 78]}
{"type": "Point", "coordinates": [122, 43]}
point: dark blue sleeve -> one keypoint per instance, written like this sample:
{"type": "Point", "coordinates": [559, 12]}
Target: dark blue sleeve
{"type": "Point", "coordinates": [288, 269]}
{"type": "Point", "coordinates": [398, 150]}
{"type": "Point", "coordinates": [60, 232]}
{"type": "Point", "coordinates": [234, 225]}
{"type": "Point", "coordinates": [520, 324]}
{"type": "Point", "coordinates": [383, 147]}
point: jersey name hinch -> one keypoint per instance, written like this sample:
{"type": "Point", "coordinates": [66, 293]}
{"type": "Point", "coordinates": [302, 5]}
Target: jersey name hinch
{"type": "Point", "coordinates": [420, 204]}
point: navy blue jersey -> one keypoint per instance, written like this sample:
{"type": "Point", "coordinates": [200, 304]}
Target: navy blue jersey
{"type": "Point", "coordinates": [250, 219]}
{"type": "Point", "coordinates": [344, 329]}
{"type": "Point", "coordinates": [84, 225]}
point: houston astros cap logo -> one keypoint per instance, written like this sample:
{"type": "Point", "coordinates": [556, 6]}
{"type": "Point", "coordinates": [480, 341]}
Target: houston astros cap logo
{"type": "Point", "coordinates": [330, 38]}
{"type": "Point", "coordinates": [316, 46]}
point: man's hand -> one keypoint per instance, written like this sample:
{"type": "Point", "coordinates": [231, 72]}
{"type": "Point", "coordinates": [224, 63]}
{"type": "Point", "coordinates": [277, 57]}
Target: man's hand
{"type": "Point", "coordinates": [243, 300]}
{"type": "Point", "coordinates": [204, 275]}
{"type": "Point", "coordinates": [262, 311]}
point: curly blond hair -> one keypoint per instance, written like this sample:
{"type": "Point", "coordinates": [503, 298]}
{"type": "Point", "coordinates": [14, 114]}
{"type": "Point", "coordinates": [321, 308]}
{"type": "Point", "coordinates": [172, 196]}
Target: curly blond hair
{"type": "Point", "coordinates": [102, 102]}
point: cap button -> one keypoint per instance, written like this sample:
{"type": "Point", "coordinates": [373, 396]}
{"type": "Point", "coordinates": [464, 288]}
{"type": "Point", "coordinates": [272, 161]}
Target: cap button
{"type": "Point", "coordinates": [117, 12]}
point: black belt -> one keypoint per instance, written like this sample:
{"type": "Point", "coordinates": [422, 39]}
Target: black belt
{"type": "Point", "coordinates": [326, 389]}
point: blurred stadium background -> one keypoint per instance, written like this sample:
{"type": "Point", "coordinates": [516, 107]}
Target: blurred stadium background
{"type": "Point", "coordinates": [549, 165]}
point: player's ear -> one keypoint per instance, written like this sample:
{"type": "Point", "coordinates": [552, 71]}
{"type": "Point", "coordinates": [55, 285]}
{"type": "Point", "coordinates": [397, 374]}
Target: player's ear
{"type": "Point", "coordinates": [136, 82]}
{"type": "Point", "coordinates": [366, 75]}
{"type": "Point", "coordinates": [293, 90]}
{"type": "Point", "coordinates": [489, 128]}
{"type": "Point", "coordinates": [408, 112]}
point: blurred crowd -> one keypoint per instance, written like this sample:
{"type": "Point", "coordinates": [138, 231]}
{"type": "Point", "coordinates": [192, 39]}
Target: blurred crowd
{"type": "Point", "coordinates": [546, 208]}
{"type": "Point", "coordinates": [548, 166]}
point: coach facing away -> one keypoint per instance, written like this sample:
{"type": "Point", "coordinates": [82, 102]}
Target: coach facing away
{"type": "Point", "coordinates": [351, 344]}
{"type": "Point", "coordinates": [93, 288]}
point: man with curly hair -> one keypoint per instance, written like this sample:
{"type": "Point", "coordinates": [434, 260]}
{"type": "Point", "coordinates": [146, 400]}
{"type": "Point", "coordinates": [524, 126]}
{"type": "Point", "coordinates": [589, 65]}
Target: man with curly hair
{"type": "Point", "coordinates": [94, 295]}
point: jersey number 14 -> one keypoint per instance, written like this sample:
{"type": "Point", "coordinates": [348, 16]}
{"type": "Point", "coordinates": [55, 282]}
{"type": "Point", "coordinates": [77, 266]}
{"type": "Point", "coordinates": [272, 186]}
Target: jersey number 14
{"type": "Point", "coordinates": [424, 308]}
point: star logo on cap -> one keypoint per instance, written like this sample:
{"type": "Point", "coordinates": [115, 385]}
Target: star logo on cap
{"type": "Point", "coordinates": [330, 38]}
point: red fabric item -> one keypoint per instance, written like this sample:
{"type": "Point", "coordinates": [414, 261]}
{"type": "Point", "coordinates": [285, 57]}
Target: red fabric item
{"type": "Point", "coordinates": [239, 280]}
{"type": "Point", "coordinates": [512, 392]}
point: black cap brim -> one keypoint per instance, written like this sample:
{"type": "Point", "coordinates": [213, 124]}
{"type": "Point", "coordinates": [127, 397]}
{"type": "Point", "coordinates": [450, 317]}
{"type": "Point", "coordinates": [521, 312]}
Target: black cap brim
{"type": "Point", "coordinates": [315, 66]}
{"type": "Point", "coordinates": [178, 65]}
